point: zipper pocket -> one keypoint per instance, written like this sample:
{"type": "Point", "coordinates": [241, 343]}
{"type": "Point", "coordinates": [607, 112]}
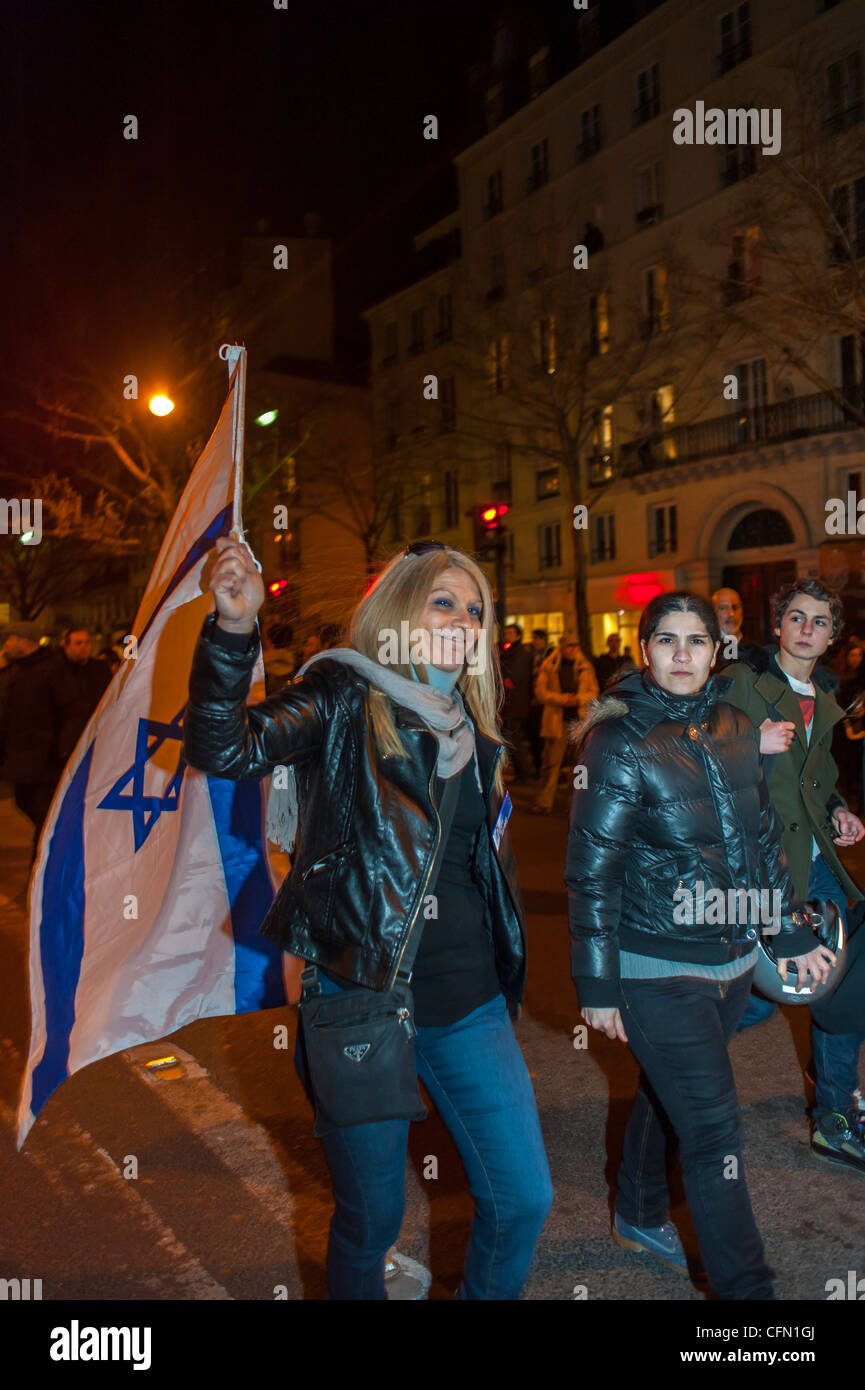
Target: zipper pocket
{"type": "Point", "coordinates": [323, 862]}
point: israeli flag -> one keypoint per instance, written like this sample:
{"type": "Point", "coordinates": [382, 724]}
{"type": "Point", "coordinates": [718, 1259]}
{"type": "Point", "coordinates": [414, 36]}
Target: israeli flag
{"type": "Point", "coordinates": [152, 879]}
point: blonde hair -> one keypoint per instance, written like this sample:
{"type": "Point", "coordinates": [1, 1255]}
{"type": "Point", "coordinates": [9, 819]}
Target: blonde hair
{"type": "Point", "coordinates": [400, 593]}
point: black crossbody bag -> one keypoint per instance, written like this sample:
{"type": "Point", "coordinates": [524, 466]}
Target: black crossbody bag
{"type": "Point", "coordinates": [359, 1043]}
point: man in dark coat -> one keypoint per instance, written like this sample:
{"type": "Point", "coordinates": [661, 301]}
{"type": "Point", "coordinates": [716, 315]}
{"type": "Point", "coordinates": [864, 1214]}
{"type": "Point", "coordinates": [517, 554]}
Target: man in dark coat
{"type": "Point", "coordinates": [608, 666]}
{"type": "Point", "coordinates": [28, 722]}
{"type": "Point", "coordinates": [517, 676]}
{"type": "Point", "coordinates": [80, 683]}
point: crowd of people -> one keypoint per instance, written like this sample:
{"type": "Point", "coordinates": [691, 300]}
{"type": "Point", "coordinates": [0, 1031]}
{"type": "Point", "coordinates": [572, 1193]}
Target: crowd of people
{"type": "Point", "coordinates": [718, 760]}
{"type": "Point", "coordinates": [47, 694]}
{"type": "Point", "coordinates": [700, 770]}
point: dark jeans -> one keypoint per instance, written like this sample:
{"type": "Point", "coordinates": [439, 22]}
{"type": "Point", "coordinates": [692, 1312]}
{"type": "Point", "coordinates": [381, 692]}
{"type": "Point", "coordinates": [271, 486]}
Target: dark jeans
{"type": "Point", "coordinates": [836, 1055]}
{"type": "Point", "coordinates": [513, 732]}
{"type": "Point", "coordinates": [34, 800]}
{"type": "Point", "coordinates": [678, 1030]}
{"type": "Point", "coordinates": [476, 1076]}
{"type": "Point", "coordinates": [533, 733]}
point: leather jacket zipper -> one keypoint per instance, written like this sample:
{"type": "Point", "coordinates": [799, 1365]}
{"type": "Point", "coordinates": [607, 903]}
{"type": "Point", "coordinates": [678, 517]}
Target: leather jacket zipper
{"type": "Point", "coordinates": [395, 971]}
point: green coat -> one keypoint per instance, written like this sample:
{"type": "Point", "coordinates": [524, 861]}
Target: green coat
{"type": "Point", "coordinates": [802, 781]}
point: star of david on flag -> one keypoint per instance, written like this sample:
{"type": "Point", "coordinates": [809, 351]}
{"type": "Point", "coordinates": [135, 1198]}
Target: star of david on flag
{"type": "Point", "coordinates": [151, 878]}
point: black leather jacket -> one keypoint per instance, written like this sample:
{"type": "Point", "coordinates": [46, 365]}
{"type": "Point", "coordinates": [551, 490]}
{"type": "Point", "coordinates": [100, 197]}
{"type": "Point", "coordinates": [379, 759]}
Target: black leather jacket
{"type": "Point", "coordinates": [369, 826]}
{"type": "Point", "coordinates": [674, 796]}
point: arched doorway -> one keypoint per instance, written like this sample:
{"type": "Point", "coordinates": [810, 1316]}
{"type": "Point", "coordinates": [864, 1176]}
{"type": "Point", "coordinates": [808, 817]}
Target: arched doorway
{"type": "Point", "coordinates": [755, 580]}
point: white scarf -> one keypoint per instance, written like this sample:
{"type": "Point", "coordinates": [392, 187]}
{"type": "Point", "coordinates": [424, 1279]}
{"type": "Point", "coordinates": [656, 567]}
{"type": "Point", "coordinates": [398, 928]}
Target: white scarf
{"type": "Point", "coordinates": [444, 715]}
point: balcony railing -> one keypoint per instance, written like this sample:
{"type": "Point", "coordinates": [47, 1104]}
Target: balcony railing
{"type": "Point", "coordinates": [587, 147]}
{"type": "Point", "coordinates": [733, 291]}
{"type": "Point", "coordinates": [601, 467]}
{"type": "Point", "coordinates": [741, 164]}
{"type": "Point", "coordinates": [748, 428]}
{"type": "Point", "coordinates": [647, 110]}
{"type": "Point", "coordinates": [731, 57]}
{"type": "Point", "coordinates": [648, 216]}
{"type": "Point", "coordinates": [845, 118]}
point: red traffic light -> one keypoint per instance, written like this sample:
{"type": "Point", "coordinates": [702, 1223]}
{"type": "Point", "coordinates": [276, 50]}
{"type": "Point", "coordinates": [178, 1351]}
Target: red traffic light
{"type": "Point", "coordinates": [492, 515]}
{"type": "Point", "coordinates": [277, 586]}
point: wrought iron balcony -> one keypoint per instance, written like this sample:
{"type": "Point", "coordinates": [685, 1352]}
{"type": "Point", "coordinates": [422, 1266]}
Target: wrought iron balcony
{"type": "Point", "coordinates": [752, 427]}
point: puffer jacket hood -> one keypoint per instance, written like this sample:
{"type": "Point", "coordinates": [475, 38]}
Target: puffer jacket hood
{"type": "Point", "coordinates": [671, 805]}
{"type": "Point", "coordinates": [637, 689]}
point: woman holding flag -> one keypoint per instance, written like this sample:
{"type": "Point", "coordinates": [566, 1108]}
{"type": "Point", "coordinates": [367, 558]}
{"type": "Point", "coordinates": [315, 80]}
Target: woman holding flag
{"type": "Point", "coordinates": [402, 898]}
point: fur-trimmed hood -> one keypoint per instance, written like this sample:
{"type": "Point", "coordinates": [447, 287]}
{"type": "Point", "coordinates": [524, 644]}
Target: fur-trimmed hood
{"type": "Point", "coordinates": [604, 707]}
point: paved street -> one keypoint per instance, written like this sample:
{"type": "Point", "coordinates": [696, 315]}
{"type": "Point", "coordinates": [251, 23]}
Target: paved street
{"type": "Point", "coordinates": [231, 1199]}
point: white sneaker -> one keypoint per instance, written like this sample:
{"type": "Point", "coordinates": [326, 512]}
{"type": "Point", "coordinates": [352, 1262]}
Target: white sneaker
{"type": "Point", "coordinates": [405, 1279]}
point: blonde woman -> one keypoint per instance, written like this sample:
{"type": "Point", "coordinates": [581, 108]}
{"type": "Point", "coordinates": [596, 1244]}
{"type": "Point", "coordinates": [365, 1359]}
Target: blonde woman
{"type": "Point", "coordinates": [374, 731]}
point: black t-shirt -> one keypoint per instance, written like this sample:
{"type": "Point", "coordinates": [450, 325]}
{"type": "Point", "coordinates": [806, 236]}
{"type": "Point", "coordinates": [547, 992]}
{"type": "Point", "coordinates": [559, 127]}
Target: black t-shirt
{"type": "Point", "coordinates": [455, 969]}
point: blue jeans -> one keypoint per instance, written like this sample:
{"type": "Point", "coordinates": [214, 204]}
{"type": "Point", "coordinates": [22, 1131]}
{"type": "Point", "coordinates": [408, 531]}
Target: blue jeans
{"type": "Point", "coordinates": [836, 1055]}
{"type": "Point", "coordinates": [476, 1076]}
{"type": "Point", "coordinates": [678, 1029]}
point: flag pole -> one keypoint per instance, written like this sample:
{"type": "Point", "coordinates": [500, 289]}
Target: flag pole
{"type": "Point", "coordinates": [235, 356]}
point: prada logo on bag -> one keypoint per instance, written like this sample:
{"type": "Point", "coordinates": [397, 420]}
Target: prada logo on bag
{"type": "Point", "coordinates": [357, 1051]}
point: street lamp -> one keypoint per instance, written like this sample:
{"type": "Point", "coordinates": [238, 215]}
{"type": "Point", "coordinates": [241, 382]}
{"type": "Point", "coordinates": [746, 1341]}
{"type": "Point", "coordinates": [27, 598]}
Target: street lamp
{"type": "Point", "coordinates": [267, 418]}
{"type": "Point", "coordinates": [161, 405]}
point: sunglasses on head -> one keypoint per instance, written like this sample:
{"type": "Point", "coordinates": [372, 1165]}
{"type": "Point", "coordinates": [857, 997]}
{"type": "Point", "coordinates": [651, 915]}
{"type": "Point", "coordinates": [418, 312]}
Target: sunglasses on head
{"type": "Point", "coordinates": [422, 547]}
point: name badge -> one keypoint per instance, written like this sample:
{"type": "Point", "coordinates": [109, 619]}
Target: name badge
{"type": "Point", "coordinates": [501, 822]}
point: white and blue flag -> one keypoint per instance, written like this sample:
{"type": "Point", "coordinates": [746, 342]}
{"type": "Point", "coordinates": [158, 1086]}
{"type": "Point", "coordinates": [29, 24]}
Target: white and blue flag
{"type": "Point", "coordinates": [152, 879]}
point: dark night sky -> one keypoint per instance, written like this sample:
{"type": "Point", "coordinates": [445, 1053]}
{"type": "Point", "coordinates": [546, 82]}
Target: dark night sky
{"type": "Point", "coordinates": [245, 112]}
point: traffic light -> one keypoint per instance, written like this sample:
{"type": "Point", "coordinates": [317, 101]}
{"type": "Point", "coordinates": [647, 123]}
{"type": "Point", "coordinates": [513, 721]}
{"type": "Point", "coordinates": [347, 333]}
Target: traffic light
{"type": "Point", "coordinates": [277, 586]}
{"type": "Point", "coordinates": [489, 527]}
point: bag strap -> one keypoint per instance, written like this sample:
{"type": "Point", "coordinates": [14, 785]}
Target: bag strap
{"type": "Point", "coordinates": [309, 981]}
{"type": "Point", "coordinates": [446, 815]}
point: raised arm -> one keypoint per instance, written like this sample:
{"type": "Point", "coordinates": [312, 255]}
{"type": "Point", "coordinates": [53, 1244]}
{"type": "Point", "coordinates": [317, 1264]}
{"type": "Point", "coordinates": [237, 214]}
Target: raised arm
{"type": "Point", "coordinates": [222, 735]}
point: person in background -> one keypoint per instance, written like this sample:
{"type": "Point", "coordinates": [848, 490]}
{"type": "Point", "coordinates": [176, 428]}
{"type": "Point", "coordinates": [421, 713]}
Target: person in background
{"type": "Point", "coordinates": [848, 742]}
{"type": "Point", "coordinates": [111, 659]}
{"type": "Point", "coordinates": [540, 649]}
{"type": "Point", "coordinates": [565, 684]}
{"type": "Point", "coordinates": [729, 612]}
{"type": "Point", "coordinates": [28, 723]}
{"type": "Point", "coordinates": [80, 682]}
{"type": "Point", "coordinates": [608, 666]}
{"type": "Point", "coordinates": [516, 663]}
{"type": "Point", "coordinates": [794, 712]}
{"type": "Point", "coordinates": [278, 660]}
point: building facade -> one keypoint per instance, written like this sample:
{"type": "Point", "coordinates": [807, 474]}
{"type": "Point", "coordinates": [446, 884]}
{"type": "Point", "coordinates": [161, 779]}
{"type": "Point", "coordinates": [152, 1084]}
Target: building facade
{"type": "Point", "coordinates": [652, 313]}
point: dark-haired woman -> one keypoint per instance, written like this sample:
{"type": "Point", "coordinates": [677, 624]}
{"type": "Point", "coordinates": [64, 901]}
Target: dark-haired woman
{"type": "Point", "coordinates": [674, 806]}
{"type": "Point", "coordinates": [377, 730]}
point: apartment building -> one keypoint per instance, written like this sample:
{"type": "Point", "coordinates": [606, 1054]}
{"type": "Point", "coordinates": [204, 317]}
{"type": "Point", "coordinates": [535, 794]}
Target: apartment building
{"type": "Point", "coordinates": [649, 315]}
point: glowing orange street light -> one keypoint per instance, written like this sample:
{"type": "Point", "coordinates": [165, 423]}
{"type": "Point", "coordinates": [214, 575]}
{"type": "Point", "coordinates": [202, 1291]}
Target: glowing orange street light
{"type": "Point", "coordinates": [161, 405]}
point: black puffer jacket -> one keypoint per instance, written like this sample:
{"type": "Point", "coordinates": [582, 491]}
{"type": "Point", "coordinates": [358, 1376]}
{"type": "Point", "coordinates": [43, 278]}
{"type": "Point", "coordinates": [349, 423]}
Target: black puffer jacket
{"type": "Point", "coordinates": [369, 826]}
{"type": "Point", "coordinates": [674, 795]}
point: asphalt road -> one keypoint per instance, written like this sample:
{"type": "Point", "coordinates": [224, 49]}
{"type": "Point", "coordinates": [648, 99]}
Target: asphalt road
{"type": "Point", "coordinates": [231, 1198]}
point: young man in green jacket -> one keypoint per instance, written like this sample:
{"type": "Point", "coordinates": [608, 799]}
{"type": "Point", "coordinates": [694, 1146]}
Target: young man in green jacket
{"type": "Point", "coordinates": [792, 706]}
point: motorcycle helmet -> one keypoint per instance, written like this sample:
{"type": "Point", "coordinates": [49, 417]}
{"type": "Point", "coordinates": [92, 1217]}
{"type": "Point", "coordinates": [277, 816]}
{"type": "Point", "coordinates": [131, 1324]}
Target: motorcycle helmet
{"type": "Point", "coordinates": [828, 925]}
